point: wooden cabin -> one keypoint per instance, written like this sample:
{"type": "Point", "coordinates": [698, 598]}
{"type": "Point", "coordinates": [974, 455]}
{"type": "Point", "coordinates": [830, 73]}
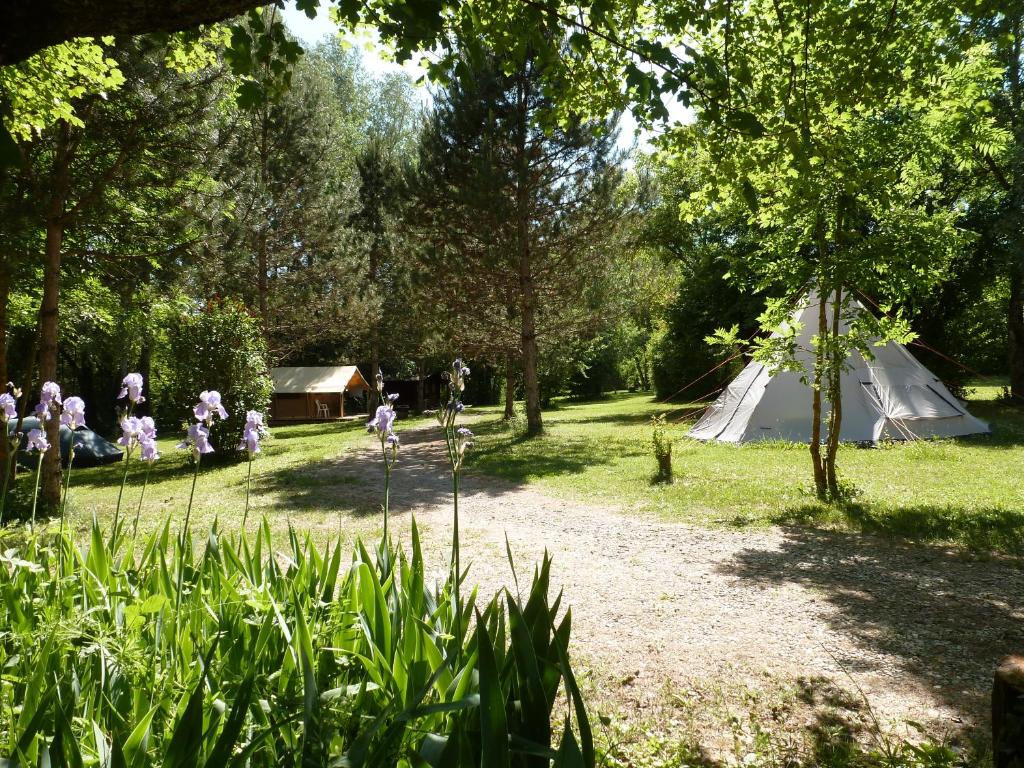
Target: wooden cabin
{"type": "Point", "coordinates": [313, 393]}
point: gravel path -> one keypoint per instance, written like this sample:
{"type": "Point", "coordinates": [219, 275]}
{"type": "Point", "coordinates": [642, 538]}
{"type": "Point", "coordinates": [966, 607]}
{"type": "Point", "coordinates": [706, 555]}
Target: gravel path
{"type": "Point", "coordinates": [917, 629]}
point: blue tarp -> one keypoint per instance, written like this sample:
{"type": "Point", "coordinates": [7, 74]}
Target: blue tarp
{"type": "Point", "coordinates": [90, 448]}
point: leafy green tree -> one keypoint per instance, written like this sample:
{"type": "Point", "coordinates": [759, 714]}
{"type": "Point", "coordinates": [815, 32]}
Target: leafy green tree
{"type": "Point", "coordinates": [51, 85]}
{"type": "Point", "coordinates": [85, 191]}
{"type": "Point", "coordinates": [310, 217]}
{"type": "Point", "coordinates": [833, 155]}
{"type": "Point", "coordinates": [700, 255]}
{"type": "Point", "coordinates": [517, 223]}
{"type": "Point", "coordinates": [995, 196]}
{"type": "Point", "coordinates": [280, 244]}
{"type": "Point", "coordinates": [376, 218]}
{"type": "Point", "coordinates": [218, 346]}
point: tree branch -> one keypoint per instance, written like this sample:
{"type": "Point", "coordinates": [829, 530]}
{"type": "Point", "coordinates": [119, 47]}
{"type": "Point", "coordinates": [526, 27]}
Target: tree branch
{"type": "Point", "coordinates": [31, 25]}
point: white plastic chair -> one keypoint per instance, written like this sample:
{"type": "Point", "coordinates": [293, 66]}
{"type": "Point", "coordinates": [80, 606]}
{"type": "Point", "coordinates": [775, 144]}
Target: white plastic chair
{"type": "Point", "coordinates": [323, 411]}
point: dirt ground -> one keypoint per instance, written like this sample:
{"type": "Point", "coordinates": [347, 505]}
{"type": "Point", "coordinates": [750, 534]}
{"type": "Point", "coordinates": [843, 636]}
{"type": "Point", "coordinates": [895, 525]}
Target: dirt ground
{"type": "Point", "coordinates": [661, 607]}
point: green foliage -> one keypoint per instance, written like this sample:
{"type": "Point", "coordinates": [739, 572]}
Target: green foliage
{"type": "Point", "coordinates": [684, 363]}
{"type": "Point", "coordinates": [131, 177]}
{"type": "Point", "coordinates": [43, 89]}
{"type": "Point", "coordinates": [701, 296]}
{"type": "Point", "coordinates": [639, 291]}
{"type": "Point", "coordinates": [662, 448]}
{"type": "Point", "coordinates": [247, 654]}
{"type": "Point", "coordinates": [218, 346]}
{"type": "Point", "coordinates": [58, 83]}
{"type": "Point", "coordinates": [517, 225]}
{"type": "Point", "coordinates": [839, 182]}
{"type": "Point", "coordinates": [304, 208]}
{"type": "Point", "coordinates": [597, 369]}
{"type": "Point", "coordinates": [262, 54]}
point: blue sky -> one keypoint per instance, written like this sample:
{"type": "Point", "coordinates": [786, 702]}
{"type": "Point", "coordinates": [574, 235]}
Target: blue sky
{"type": "Point", "coordinates": [311, 31]}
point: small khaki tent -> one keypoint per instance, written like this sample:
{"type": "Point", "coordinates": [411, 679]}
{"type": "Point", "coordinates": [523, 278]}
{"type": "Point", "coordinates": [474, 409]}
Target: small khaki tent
{"type": "Point", "coordinates": [313, 393]}
{"type": "Point", "coordinates": [891, 396]}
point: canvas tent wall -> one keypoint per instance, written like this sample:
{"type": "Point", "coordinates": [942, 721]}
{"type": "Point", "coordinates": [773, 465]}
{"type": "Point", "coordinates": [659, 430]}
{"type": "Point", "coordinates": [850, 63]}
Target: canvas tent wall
{"type": "Point", "coordinates": [891, 396]}
{"type": "Point", "coordinates": [311, 393]}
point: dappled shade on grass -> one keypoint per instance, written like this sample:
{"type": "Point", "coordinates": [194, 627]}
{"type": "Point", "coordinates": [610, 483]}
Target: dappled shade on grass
{"type": "Point", "coordinates": [963, 491]}
{"type": "Point", "coordinates": [983, 530]}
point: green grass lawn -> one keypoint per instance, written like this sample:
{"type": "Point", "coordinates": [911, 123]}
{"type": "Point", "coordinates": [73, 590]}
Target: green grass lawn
{"type": "Point", "coordinates": [967, 491]}
{"type": "Point", "coordinates": [297, 477]}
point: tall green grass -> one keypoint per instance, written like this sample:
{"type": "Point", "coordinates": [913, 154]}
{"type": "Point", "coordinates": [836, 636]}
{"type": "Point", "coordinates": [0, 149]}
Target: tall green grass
{"type": "Point", "coordinates": [241, 653]}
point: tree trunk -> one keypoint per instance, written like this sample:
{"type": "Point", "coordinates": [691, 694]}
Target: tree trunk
{"type": "Point", "coordinates": [820, 482]}
{"type": "Point", "coordinates": [48, 328]}
{"type": "Point", "coordinates": [835, 398]}
{"type": "Point", "coordinates": [27, 384]}
{"type": "Point", "coordinates": [262, 257]}
{"type": "Point", "coordinates": [263, 284]}
{"type": "Point", "coordinates": [510, 386]}
{"type": "Point", "coordinates": [1015, 337]}
{"type": "Point", "coordinates": [375, 348]}
{"type": "Point", "coordinates": [531, 383]}
{"type": "Point", "coordinates": [146, 362]}
{"type": "Point", "coordinates": [527, 290]}
{"type": "Point", "coordinates": [421, 389]}
{"type": "Point", "coordinates": [48, 310]}
{"type": "Point", "coordinates": [528, 326]}
{"type": "Point", "coordinates": [5, 294]}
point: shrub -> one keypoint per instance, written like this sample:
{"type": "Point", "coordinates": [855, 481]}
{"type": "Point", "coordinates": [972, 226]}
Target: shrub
{"type": "Point", "coordinates": [221, 347]}
{"type": "Point", "coordinates": [662, 449]}
{"type": "Point", "coordinates": [242, 654]}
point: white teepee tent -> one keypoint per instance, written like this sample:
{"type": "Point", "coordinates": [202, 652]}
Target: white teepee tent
{"type": "Point", "coordinates": [892, 396]}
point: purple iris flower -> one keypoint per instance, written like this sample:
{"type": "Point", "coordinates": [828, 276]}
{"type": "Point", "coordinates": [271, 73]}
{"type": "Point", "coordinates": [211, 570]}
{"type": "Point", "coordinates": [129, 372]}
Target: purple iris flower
{"type": "Point", "coordinates": [209, 405]}
{"type": "Point", "coordinates": [131, 387]}
{"type": "Point", "coordinates": [392, 440]}
{"type": "Point", "coordinates": [252, 433]}
{"type": "Point", "coordinates": [149, 450]}
{"type": "Point", "coordinates": [73, 416]}
{"type": "Point", "coordinates": [459, 373]}
{"type": "Point", "coordinates": [198, 440]}
{"type": "Point", "coordinates": [383, 420]}
{"type": "Point", "coordinates": [37, 441]}
{"type": "Point", "coordinates": [9, 406]}
{"type": "Point", "coordinates": [392, 397]}
{"type": "Point", "coordinates": [131, 428]}
{"type": "Point", "coordinates": [50, 394]}
{"type": "Point", "coordinates": [465, 442]}
{"type": "Point", "coordinates": [147, 429]}
{"type": "Point", "coordinates": [49, 398]}
{"type": "Point", "coordinates": [250, 441]}
{"type": "Point", "coordinates": [254, 419]}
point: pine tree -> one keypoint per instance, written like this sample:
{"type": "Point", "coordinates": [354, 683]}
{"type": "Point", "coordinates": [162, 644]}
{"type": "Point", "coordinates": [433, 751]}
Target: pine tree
{"type": "Point", "coordinates": [516, 219]}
